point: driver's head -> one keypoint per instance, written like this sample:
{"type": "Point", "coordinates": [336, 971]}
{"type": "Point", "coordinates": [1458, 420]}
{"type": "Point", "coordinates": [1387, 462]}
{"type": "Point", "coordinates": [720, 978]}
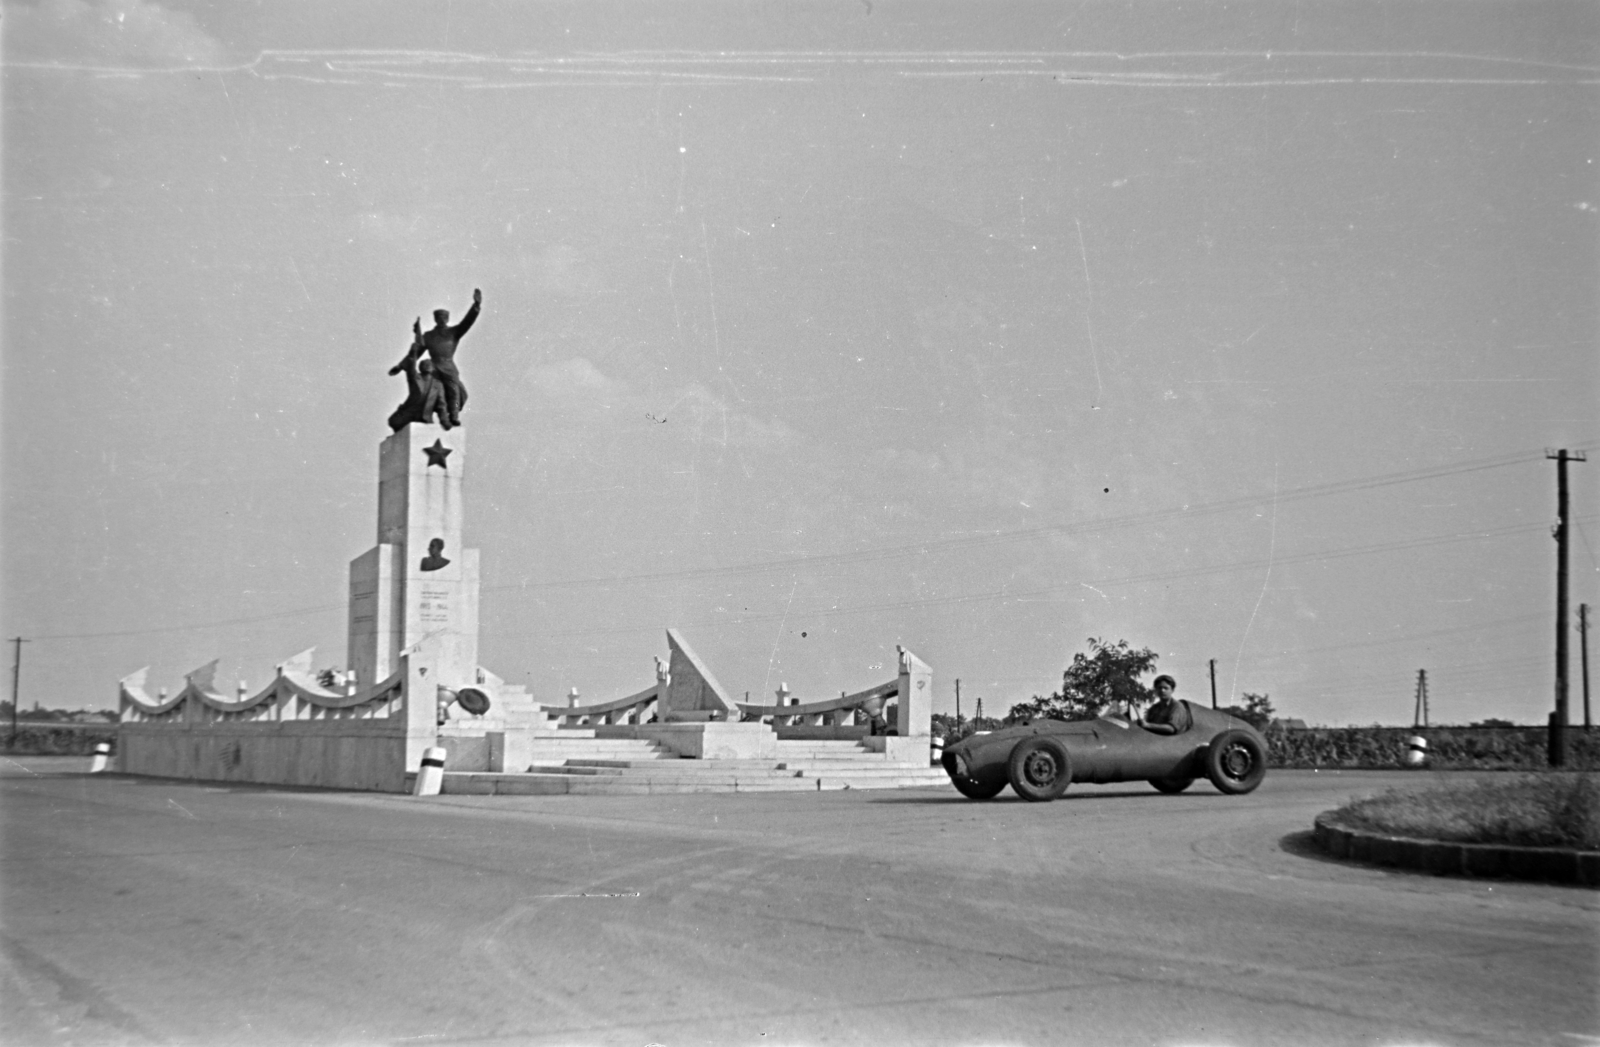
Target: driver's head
{"type": "Point", "coordinates": [1164, 686]}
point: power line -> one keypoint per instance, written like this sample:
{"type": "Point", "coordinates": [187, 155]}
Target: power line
{"type": "Point", "coordinates": [924, 548]}
{"type": "Point", "coordinates": [1070, 585]}
{"type": "Point", "coordinates": [1086, 527]}
{"type": "Point", "coordinates": [1413, 637]}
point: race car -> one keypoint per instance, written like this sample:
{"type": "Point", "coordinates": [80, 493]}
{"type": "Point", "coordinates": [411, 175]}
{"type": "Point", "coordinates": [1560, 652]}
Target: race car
{"type": "Point", "coordinates": [1040, 759]}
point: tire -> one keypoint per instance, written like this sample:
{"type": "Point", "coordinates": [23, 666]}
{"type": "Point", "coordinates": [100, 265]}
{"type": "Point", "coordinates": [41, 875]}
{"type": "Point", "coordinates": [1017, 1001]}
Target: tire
{"type": "Point", "coordinates": [1235, 762]}
{"type": "Point", "coordinates": [1039, 769]}
{"type": "Point", "coordinates": [976, 790]}
{"type": "Point", "coordinates": [1173, 785]}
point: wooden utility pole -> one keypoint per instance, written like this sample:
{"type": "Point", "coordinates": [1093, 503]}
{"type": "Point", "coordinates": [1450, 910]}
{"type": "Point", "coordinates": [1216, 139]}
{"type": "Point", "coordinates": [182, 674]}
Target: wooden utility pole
{"type": "Point", "coordinates": [1420, 717]}
{"type": "Point", "coordinates": [1558, 719]}
{"type": "Point", "coordinates": [16, 697]}
{"type": "Point", "coordinates": [958, 700]}
{"type": "Point", "coordinates": [1213, 683]}
{"type": "Point", "coordinates": [1583, 649]}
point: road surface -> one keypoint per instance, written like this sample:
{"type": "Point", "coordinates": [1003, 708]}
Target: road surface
{"type": "Point", "coordinates": [140, 911]}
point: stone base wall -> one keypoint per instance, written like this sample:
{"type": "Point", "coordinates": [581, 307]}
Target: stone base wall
{"type": "Point", "coordinates": [356, 755]}
{"type": "Point", "coordinates": [824, 733]}
{"type": "Point", "coordinates": [714, 741]}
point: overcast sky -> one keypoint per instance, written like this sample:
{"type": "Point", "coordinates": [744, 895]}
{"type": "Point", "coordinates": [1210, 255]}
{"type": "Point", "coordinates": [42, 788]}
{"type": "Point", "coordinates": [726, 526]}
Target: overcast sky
{"type": "Point", "coordinates": [1235, 330]}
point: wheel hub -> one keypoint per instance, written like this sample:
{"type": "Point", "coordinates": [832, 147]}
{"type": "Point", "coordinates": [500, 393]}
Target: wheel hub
{"type": "Point", "coordinates": [1236, 762]}
{"type": "Point", "coordinates": [1041, 768]}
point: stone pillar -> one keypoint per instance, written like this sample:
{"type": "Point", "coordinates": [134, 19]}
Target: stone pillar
{"type": "Point", "coordinates": [418, 582]}
{"type": "Point", "coordinates": [915, 719]}
{"type": "Point", "coordinates": [420, 689]}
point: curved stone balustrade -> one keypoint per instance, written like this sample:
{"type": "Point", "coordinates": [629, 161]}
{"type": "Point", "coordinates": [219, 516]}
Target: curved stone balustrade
{"type": "Point", "coordinates": [831, 711]}
{"type": "Point", "coordinates": [632, 709]}
{"type": "Point", "coordinates": [294, 694]}
{"type": "Point", "coordinates": [834, 712]}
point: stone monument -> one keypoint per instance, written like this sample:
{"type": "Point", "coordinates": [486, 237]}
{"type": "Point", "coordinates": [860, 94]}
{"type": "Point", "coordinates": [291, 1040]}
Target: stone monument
{"type": "Point", "coordinates": [417, 581]}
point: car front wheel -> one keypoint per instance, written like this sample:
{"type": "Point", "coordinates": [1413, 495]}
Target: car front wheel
{"type": "Point", "coordinates": [1172, 786]}
{"type": "Point", "coordinates": [1040, 769]}
{"type": "Point", "coordinates": [1235, 762]}
{"type": "Point", "coordinates": [973, 789]}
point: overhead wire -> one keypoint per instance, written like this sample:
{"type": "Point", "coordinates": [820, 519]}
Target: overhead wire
{"type": "Point", "coordinates": [942, 545]}
{"type": "Point", "coordinates": [1073, 584]}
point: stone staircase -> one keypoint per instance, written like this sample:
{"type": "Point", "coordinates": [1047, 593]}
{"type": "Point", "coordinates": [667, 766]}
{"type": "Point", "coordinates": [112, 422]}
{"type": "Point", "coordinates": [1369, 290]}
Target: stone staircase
{"type": "Point", "coordinates": [575, 763]}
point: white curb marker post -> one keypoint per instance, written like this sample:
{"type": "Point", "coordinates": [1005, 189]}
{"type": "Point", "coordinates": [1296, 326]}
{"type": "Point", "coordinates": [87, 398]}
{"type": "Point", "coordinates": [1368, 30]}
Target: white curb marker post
{"type": "Point", "coordinates": [1416, 751]}
{"type": "Point", "coordinates": [431, 774]}
{"type": "Point", "coordinates": [936, 750]}
{"type": "Point", "coordinates": [102, 756]}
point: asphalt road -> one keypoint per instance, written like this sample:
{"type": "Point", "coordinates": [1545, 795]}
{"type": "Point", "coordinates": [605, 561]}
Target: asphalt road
{"type": "Point", "coordinates": [140, 911]}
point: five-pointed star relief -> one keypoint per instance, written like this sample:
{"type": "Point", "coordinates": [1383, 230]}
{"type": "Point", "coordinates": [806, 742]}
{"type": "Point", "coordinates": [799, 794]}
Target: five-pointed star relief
{"type": "Point", "coordinates": [437, 454]}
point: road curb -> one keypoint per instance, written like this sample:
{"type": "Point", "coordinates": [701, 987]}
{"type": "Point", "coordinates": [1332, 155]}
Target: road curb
{"type": "Point", "coordinates": [1551, 864]}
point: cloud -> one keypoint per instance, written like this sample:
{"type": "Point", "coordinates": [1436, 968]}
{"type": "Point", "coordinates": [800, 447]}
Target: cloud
{"type": "Point", "coordinates": [113, 34]}
{"type": "Point", "coordinates": [421, 232]}
{"type": "Point", "coordinates": [690, 412]}
{"type": "Point", "coordinates": [574, 377]}
{"type": "Point", "coordinates": [562, 271]}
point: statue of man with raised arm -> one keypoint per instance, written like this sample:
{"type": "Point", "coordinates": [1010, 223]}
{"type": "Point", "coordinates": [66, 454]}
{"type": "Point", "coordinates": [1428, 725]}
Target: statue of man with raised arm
{"type": "Point", "coordinates": [440, 345]}
{"type": "Point", "coordinates": [425, 398]}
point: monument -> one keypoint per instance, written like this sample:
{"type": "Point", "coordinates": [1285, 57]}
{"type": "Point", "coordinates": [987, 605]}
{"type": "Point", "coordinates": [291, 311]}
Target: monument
{"type": "Point", "coordinates": [417, 580]}
{"type": "Point", "coordinates": [412, 683]}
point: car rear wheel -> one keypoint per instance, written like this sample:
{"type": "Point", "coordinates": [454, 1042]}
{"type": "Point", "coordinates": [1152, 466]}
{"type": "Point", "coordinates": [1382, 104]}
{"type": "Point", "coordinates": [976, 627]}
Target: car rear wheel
{"type": "Point", "coordinates": [1040, 769]}
{"type": "Point", "coordinates": [1173, 785]}
{"type": "Point", "coordinates": [976, 790]}
{"type": "Point", "coordinates": [1235, 762]}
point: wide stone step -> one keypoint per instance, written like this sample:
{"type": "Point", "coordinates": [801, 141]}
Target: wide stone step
{"type": "Point", "coordinates": [484, 784]}
{"type": "Point", "coordinates": [930, 773]}
{"type": "Point", "coordinates": [830, 750]}
{"type": "Point", "coordinates": [645, 769]}
{"type": "Point", "coordinates": [584, 744]}
{"type": "Point", "coordinates": [868, 760]}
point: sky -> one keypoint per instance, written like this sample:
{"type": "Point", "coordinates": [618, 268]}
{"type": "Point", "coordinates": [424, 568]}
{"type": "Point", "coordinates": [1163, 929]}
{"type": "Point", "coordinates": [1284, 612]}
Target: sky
{"type": "Point", "coordinates": [1238, 331]}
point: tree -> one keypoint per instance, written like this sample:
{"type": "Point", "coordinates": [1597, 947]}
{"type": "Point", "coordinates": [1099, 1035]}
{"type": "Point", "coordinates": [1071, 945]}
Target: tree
{"type": "Point", "coordinates": [1094, 682]}
{"type": "Point", "coordinates": [1257, 710]}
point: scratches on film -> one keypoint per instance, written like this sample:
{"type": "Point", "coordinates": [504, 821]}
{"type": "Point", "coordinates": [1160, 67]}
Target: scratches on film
{"type": "Point", "coordinates": [1088, 313]}
{"type": "Point", "coordinates": [656, 69]}
{"type": "Point", "coordinates": [1272, 548]}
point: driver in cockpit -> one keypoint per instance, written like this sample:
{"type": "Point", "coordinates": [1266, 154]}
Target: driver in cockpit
{"type": "Point", "coordinates": [1167, 715]}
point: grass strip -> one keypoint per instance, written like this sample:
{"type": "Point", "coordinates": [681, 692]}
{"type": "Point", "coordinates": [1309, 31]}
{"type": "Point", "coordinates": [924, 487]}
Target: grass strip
{"type": "Point", "coordinates": [1524, 810]}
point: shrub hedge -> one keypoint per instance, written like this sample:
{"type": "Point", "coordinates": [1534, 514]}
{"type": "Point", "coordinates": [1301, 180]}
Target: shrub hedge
{"type": "Point", "coordinates": [47, 739]}
{"type": "Point", "coordinates": [1449, 748]}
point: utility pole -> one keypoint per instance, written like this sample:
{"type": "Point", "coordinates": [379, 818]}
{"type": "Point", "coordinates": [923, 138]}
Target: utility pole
{"type": "Point", "coordinates": [16, 698]}
{"type": "Point", "coordinates": [958, 700]}
{"type": "Point", "coordinates": [1583, 648]}
{"type": "Point", "coordinates": [1558, 719]}
{"type": "Point", "coordinates": [1213, 683]}
{"type": "Point", "coordinates": [1420, 717]}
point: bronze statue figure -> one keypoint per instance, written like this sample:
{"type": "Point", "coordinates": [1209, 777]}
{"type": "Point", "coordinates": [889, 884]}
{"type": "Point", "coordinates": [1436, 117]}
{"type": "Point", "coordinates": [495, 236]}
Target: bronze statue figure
{"type": "Point", "coordinates": [440, 345]}
{"type": "Point", "coordinates": [426, 397]}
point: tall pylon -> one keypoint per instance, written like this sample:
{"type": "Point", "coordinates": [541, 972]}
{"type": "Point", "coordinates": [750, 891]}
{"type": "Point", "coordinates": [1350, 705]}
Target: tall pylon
{"type": "Point", "coordinates": [1558, 719]}
{"type": "Point", "coordinates": [1420, 717]}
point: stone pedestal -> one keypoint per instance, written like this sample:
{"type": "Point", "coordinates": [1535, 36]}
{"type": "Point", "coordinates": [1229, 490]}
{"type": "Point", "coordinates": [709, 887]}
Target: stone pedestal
{"type": "Point", "coordinates": [417, 582]}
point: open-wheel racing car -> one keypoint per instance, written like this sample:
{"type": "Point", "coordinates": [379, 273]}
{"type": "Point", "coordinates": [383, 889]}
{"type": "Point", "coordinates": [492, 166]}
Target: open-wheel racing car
{"type": "Point", "coordinates": [1040, 759]}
